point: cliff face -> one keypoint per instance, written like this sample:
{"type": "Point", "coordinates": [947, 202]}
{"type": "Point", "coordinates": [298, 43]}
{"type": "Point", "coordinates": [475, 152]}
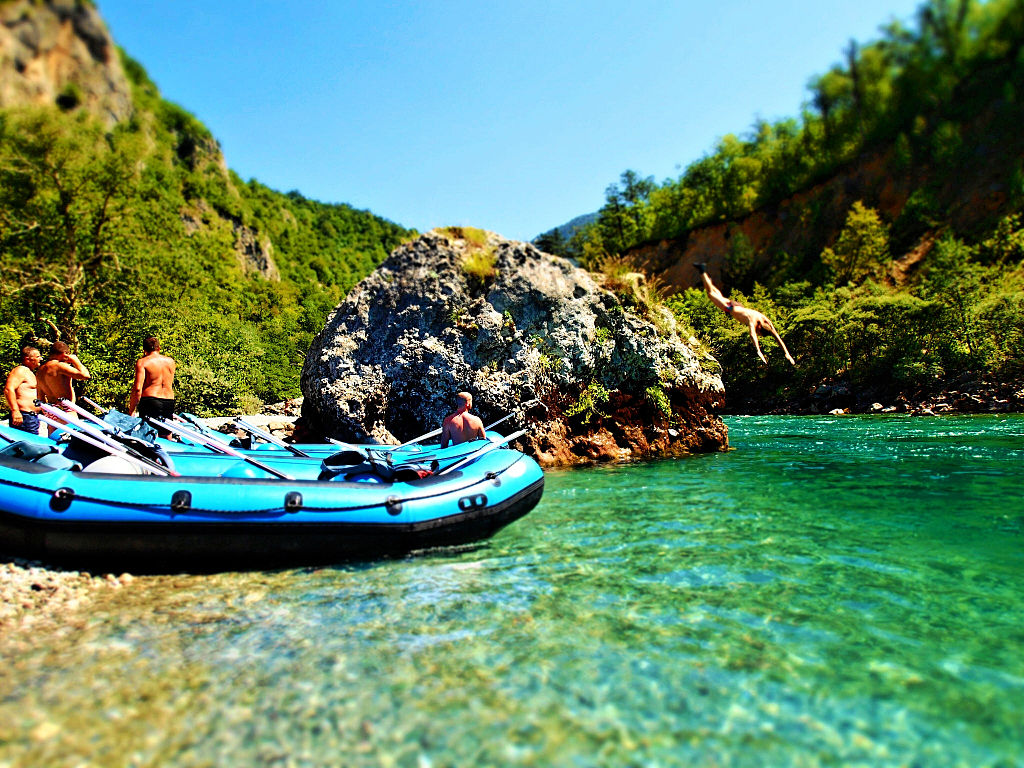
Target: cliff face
{"type": "Point", "coordinates": [804, 223]}
{"type": "Point", "coordinates": [59, 53]}
{"type": "Point", "coordinates": [509, 324]}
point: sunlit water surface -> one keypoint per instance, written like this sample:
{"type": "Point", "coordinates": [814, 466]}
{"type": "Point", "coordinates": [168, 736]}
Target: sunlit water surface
{"type": "Point", "coordinates": [833, 591]}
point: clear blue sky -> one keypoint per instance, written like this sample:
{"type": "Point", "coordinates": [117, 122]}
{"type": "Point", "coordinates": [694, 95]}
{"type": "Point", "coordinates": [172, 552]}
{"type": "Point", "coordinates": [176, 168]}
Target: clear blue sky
{"type": "Point", "coordinates": [509, 116]}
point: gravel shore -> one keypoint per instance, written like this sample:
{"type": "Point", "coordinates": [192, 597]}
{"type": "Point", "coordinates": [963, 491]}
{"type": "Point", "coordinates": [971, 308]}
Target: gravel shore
{"type": "Point", "coordinates": [33, 595]}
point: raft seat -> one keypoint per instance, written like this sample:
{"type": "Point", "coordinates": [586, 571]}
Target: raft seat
{"type": "Point", "coordinates": [41, 454]}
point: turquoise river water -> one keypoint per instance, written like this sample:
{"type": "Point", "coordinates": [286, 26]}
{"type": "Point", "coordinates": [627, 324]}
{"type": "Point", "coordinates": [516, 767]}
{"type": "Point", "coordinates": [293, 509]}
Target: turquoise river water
{"type": "Point", "coordinates": [833, 591]}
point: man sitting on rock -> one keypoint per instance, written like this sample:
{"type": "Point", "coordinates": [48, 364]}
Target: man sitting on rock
{"type": "Point", "coordinates": [461, 426]}
{"type": "Point", "coordinates": [754, 319]}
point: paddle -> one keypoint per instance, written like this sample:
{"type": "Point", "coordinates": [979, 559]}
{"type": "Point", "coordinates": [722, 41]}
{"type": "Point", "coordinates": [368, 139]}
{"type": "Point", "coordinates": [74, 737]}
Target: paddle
{"type": "Point", "coordinates": [106, 426]}
{"type": "Point", "coordinates": [188, 418]}
{"type": "Point", "coordinates": [213, 445]}
{"type": "Point", "coordinates": [97, 439]}
{"type": "Point", "coordinates": [486, 449]}
{"type": "Point", "coordinates": [93, 404]}
{"type": "Point", "coordinates": [509, 416]}
{"type": "Point", "coordinates": [209, 434]}
{"type": "Point", "coordinates": [91, 417]}
{"type": "Point", "coordinates": [255, 431]}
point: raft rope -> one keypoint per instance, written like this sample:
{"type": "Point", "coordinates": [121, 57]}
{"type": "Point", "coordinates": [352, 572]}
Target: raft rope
{"type": "Point", "coordinates": [389, 501]}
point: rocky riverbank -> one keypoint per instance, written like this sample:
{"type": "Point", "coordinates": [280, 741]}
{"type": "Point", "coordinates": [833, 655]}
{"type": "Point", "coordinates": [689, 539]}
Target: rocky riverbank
{"type": "Point", "coordinates": [34, 596]}
{"type": "Point", "coordinates": [965, 394]}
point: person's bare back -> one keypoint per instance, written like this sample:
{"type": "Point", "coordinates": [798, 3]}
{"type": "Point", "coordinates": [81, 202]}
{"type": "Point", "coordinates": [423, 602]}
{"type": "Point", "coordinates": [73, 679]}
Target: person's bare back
{"type": "Point", "coordinates": [158, 375]}
{"type": "Point", "coordinates": [154, 381]}
{"type": "Point", "coordinates": [461, 426]}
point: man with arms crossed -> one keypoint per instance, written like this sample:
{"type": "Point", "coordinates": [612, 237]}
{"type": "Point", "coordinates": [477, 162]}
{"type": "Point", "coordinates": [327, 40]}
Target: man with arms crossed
{"type": "Point", "coordinates": [21, 393]}
{"type": "Point", "coordinates": [461, 426]}
{"type": "Point", "coordinates": [55, 377]}
{"type": "Point", "coordinates": [153, 391]}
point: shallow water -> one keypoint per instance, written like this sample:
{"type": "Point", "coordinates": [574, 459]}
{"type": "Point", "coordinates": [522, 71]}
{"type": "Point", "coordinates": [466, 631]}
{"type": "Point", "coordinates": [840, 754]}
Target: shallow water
{"type": "Point", "coordinates": [833, 591]}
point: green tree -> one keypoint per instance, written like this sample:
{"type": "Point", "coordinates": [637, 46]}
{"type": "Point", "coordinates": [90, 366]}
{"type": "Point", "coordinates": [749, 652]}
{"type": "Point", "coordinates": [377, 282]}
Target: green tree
{"type": "Point", "coordinates": [623, 221]}
{"type": "Point", "coordinates": [552, 242]}
{"type": "Point", "coordinates": [862, 248]}
{"type": "Point", "coordinates": [954, 281]}
{"type": "Point", "coordinates": [64, 192]}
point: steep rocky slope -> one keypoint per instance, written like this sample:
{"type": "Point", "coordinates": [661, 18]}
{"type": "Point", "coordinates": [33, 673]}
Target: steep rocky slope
{"type": "Point", "coordinates": [919, 195]}
{"type": "Point", "coordinates": [60, 53]}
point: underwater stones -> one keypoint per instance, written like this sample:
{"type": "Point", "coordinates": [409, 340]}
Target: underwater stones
{"type": "Point", "coordinates": [466, 310]}
{"type": "Point", "coordinates": [32, 594]}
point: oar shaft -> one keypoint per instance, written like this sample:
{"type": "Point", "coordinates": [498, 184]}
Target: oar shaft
{"type": "Point", "coordinates": [206, 433]}
{"type": "Point", "coordinates": [437, 432]}
{"type": "Point", "coordinates": [486, 449]}
{"type": "Point", "coordinates": [82, 412]}
{"type": "Point", "coordinates": [93, 404]}
{"type": "Point", "coordinates": [252, 429]}
{"type": "Point", "coordinates": [217, 446]}
{"type": "Point", "coordinates": [59, 419]}
{"type": "Point", "coordinates": [420, 439]}
{"type": "Point", "coordinates": [79, 428]}
{"type": "Point", "coordinates": [519, 408]}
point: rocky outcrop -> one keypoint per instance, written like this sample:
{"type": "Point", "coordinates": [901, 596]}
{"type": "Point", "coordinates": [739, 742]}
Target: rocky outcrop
{"type": "Point", "coordinates": [255, 254]}
{"type": "Point", "coordinates": [465, 310]}
{"type": "Point", "coordinates": [60, 53]}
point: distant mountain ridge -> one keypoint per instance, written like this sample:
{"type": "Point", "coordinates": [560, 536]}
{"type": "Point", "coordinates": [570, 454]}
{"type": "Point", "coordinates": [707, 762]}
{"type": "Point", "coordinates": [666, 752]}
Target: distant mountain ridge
{"type": "Point", "coordinates": [571, 227]}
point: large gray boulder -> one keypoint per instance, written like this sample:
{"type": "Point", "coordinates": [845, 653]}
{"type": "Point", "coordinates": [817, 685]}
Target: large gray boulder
{"type": "Point", "coordinates": [463, 310]}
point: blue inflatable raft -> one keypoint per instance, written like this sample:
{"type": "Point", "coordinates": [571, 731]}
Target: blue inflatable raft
{"type": "Point", "coordinates": [202, 520]}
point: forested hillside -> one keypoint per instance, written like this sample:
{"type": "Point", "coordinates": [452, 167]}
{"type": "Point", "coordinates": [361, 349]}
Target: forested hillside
{"type": "Point", "coordinates": [114, 230]}
{"type": "Point", "coordinates": [881, 229]}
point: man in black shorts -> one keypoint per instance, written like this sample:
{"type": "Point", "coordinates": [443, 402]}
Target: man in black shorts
{"type": "Point", "coordinates": [153, 391]}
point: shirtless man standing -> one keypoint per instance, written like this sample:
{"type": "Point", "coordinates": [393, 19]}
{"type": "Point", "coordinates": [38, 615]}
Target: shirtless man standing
{"type": "Point", "coordinates": [461, 426]}
{"type": "Point", "coordinates": [153, 391]}
{"type": "Point", "coordinates": [55, 377]}
{"type": "Point", "coordinates": [21, 391]}
{"type": "Point", "coordinates": [754, 320]}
